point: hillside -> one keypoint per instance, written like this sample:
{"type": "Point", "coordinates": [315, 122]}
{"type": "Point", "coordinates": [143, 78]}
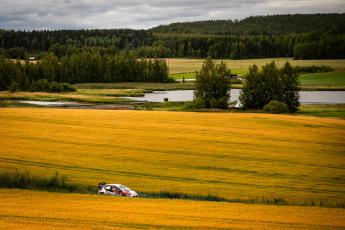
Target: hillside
{"type": "Point", "coordinates": [261, 25]}
{"type": "Point", "coordinates": [310, 36]}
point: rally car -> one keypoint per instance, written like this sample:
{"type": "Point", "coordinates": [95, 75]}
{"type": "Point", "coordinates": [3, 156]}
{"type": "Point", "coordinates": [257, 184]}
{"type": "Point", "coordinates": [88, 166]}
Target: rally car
{"type": "Point", "coordinates": [115, 190]}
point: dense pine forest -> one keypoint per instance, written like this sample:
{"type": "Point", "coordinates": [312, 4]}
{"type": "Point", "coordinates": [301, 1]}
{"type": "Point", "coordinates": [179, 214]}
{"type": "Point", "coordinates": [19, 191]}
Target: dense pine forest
{"type": "Point", "coordinates": [314, 36]}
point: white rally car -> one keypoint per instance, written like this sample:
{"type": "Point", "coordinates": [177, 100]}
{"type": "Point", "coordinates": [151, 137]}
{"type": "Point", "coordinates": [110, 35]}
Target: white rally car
{"type": "Point", "coordinates": [115, 190]}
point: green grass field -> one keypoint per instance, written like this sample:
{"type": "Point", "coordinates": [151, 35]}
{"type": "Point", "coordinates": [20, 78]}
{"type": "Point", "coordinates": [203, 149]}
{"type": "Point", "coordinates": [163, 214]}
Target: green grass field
{"type": "Point", "coordinates": [336, 78]}
{"type": "Point", "coordinates": [191, 75]}
{"type": "Point", "coordinates": [324, 110]}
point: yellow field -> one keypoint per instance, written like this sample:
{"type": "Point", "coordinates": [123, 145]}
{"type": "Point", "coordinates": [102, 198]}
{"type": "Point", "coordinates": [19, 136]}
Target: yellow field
{"type": "Point", "coordinates": [41, 210]}
{"type": "Point", "coordinates": [183, 65]}
{"type": "Point", "coordinates": [231, 155]}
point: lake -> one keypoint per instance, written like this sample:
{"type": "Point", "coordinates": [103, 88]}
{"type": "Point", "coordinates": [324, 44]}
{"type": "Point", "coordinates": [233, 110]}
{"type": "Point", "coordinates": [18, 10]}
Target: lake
{"type": "Point", "coordinates": [306, 97]}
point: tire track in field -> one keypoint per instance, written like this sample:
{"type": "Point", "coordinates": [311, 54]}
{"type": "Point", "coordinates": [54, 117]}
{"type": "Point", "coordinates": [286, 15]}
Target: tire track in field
{"type": "Point", "coordinates": [204, 132]}
{"type": "Point", "coordinates": [176, 152]}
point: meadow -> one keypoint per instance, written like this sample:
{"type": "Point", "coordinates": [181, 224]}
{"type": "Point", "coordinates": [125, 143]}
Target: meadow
{"type": "Point", "coordinates": [32, 210]}
{"type": "Point", "coordinates": [243, 157]}
{"type": "Point", "coordinates": [334, 79]}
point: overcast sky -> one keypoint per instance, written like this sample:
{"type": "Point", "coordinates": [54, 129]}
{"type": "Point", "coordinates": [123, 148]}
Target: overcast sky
{"type": "Point", "coordinates": [82, 14]}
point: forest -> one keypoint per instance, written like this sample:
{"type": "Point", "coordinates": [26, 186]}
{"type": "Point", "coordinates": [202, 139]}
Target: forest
{"type": "Point", "coordinates": [79, 68]}
{"type": "Point", "coordinates": [308, 36]}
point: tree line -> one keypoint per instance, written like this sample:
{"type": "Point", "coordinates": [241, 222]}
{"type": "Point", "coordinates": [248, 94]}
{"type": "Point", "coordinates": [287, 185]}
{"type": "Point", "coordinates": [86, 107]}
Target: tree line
{"type": "Point", "coordinates": [314, 36]}
{"type": "Point", "coordinates": [81, 68]}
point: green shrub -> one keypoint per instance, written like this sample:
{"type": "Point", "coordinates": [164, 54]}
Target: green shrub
{"type": "Point", "coordinates": [199, 103]}
{"type": "Point", "coordinates": [56, 182]}
{"type": "Point", "coordinates": [170, 80]}
{"type": "Point", "coordinates": [40, 86]}
{"type": "Point", "coordinates": [45, 86]}
{"type": "Point", "coordinates": [276, 107]}
{"type": "Point", "coordinates": [312, 69]}
{"type": "Point", "coordinates": [55, 87]}
{"type": "Point", "coordinates": [223, 103]}
{"type": "Point", "coordinates": [68, 87]}
{"type": "Point", "coordinates": [14, 86]}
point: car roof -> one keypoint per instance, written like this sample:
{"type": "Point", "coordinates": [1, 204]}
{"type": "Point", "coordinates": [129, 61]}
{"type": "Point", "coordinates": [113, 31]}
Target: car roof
{"type": "Point", "coordinates": [114, 184]}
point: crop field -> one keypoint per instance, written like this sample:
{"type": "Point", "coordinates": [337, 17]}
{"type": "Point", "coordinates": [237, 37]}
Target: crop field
{"type": "Point", "coordinates": [183, 65]}
{"type": "Point", "coordinates": [258, 158]}
{"type": "Point", "coordinates": [31, 210]}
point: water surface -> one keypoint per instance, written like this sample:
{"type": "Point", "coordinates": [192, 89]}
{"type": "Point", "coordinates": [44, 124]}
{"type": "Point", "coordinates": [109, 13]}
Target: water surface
{"type": "Point", "coordinates": [317, 97]}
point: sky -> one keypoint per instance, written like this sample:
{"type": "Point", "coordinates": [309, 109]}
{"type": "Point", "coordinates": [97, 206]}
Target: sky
{"type": "Point", "coordinates": [143, 14]}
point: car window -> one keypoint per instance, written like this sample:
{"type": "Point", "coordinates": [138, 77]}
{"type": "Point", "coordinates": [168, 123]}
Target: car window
{"type": "Point", "coordinates": [124, 188]}
{"type": "Point", "coordinates": [117, 188]}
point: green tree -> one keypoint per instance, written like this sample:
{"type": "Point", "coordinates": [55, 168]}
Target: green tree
{"type": "Point", "coordinates": [291, 87]}
{"type": "Point", "coordinates": [212, 85]}
{"type": "Point", "coordinates": [269, 84]}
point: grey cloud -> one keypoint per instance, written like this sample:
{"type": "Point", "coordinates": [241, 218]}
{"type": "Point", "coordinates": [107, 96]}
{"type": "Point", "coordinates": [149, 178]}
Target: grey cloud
{"type": "Point", "coordinates": [72, 14]}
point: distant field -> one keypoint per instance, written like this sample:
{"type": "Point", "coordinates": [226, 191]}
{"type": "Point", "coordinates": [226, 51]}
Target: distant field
{"type": "Point", "coordinates": [241, 156]}
{"type": "Point", "coordinates": [180, 76]}
{"type": "Point", "coordinates": [22, 209]}
{"type": "Point", "coordinates": [183, 65]}
{"type": "Point", "coordinates": [326, 79]}
{"type": "Point", "coordinates": [191, 75]}
{"type": "Point", "coordinates": [186, 68]}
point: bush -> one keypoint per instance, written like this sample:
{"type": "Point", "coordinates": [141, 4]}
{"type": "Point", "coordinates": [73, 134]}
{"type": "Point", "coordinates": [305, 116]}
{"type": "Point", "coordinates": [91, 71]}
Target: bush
{"type": "Point", "coordinates": [68, 87]}
{"type": "Point", "coordinates": [45, 86]}
{"type": "Point", "coordinates": [223, 103]}
{"type": "Point", "coordinates": [56, 182]}
{"type": "Point", "coordinates": [55, 87]}
{"type": "Point", "coordinates": [14, 86]}
{"type": "Point", "coordinates": [170, 80]}
{"type": "Point", "coordinates": [41, 86]}
{"type": "Point", "coordinates": [199, 103]}
{"type": "Point", "coordinates": [276, 107]}
{"type": "Point", "coordinates": [312, 69]}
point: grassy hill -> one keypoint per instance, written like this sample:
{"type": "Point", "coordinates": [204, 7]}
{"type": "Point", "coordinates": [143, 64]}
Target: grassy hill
{"type": "Point", "coordinates": [244, 157]}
